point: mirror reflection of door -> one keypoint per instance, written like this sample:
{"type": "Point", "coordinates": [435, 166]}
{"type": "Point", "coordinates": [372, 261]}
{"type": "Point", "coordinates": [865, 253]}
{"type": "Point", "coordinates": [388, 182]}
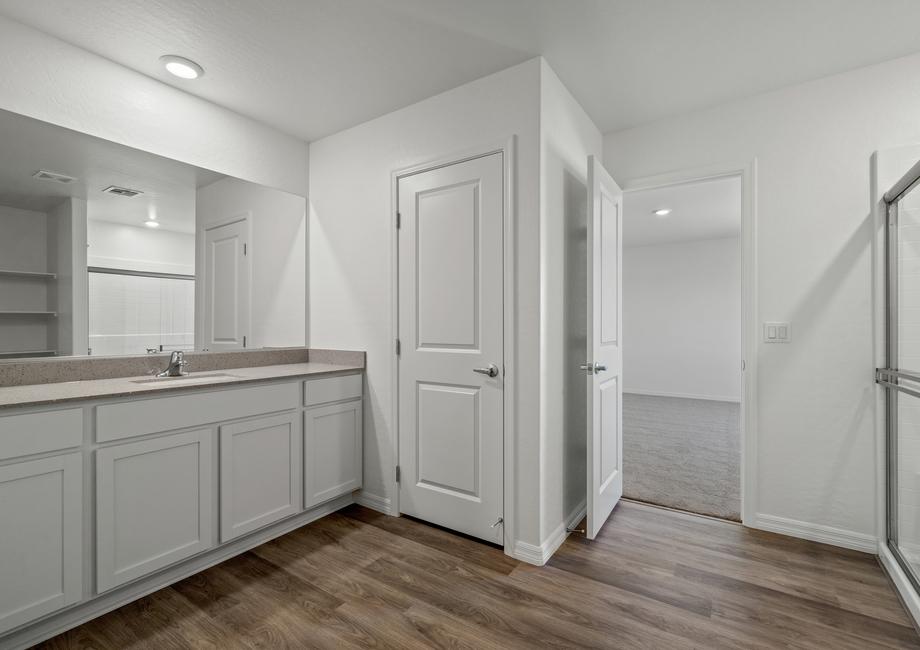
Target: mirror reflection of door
{"type": "Point", "coordinates": [226, 283]}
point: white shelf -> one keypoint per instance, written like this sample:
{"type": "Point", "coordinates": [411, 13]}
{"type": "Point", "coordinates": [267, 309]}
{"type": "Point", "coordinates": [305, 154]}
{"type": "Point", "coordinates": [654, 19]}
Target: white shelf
{"type": "Point", "coordinates": [14, 312]}
{"type": "Point", "coordinates": [27, 274]}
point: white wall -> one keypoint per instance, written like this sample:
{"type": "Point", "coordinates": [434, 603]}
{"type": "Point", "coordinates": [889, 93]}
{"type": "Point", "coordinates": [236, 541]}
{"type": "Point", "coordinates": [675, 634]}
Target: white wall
{"type": "Point", "coordinates": [120, 246]}
{"type": "Point", "coordinates": [815, 396]}
{"type": "Point", "coordinates": [277, 255]}
{"type": "Point", "coordinates": [567, 137]}
{"type": "Point", "coordinates": [351, 230]}
{"type": "Point", "coordinates": [682, 319]}
{"type": "Point", "coordinates": [69, 294]}
{"type": "Point", "coordinates": [48, 79]}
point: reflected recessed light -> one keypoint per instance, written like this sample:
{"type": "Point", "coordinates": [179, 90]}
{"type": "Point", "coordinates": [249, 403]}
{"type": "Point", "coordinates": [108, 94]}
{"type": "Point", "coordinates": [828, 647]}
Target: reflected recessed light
{"type": "Point", "coordinates": [181, 67]}
{"type": "Point", "coordinates": [150, 223]}
{"type": "Point", "coordinates": [662, 212]}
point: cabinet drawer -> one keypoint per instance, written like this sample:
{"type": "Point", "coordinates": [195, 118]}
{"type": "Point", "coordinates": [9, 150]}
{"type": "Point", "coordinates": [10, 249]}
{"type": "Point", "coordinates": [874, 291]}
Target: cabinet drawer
{"type": "Point", "coordinates": [36, 433]}
{"type": "Point", "coordinates": [140, 417]}
{"type": "Point", "coordinates": [332, 389]}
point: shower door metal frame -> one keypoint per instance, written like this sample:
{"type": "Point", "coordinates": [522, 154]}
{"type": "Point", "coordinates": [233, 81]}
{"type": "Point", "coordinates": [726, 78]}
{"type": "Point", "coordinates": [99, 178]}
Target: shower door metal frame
{"type": "Point", "coordinates": [892, 377]}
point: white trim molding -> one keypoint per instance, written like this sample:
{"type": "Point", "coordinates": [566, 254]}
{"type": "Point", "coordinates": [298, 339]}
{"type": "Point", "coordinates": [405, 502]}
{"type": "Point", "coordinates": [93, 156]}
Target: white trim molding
{"type": "Point", "coordinates": [540, 555]}
{"type": "Point", "coordinates": [816, 533]}
{"type": "Point", "coordinates": [375, 502]}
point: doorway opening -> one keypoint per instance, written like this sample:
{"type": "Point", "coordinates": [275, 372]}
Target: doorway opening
{"type": "Point", "coordinates": [683, 320]}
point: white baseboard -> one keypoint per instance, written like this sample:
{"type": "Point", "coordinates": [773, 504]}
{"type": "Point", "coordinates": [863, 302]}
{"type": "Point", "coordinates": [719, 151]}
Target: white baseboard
{"type": "Point", "coordinates": [901, 582]}
{"type": "Point", "coordinates": [375, 502]}
{"type": "Point", "coordinates": [540, 555]}
{"type": "Point", "coordinates": [816, 532]}
{"type": "Point", "coordinates": [710, 398]}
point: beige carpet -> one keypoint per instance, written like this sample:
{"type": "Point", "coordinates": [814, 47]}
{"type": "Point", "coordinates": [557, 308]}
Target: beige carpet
{"type": "Point", "coordinates": [683, 453]}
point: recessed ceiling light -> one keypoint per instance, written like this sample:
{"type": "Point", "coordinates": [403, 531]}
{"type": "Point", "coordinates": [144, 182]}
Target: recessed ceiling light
{"type": "Point", "coordinates": [181, 67]}
{"type": "Point", "coordinates": [150, 223]}
{"type": "Point", "coordinates": [662, 212]}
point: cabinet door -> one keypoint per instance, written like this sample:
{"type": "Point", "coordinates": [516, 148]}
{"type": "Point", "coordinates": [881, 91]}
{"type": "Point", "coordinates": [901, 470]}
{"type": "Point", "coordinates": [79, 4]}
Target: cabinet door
{"type": "Point", "coordinates": [41, 537]}
{"type": "Point", "coordinates": [260, 473]}
{"type": "Point", "coordinates": [153, 505]}
{"type": "Point", "coordinates": [332, 451]}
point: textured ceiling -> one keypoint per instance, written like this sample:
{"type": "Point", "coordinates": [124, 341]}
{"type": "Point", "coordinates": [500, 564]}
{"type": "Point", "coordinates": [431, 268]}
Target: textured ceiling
{"type": "Point", "coordinates": [311, 68]}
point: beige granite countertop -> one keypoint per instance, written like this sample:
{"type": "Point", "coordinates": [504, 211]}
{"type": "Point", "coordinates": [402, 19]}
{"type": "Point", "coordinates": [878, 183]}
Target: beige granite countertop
{"type": "Point", "coordinates": [69, 391]}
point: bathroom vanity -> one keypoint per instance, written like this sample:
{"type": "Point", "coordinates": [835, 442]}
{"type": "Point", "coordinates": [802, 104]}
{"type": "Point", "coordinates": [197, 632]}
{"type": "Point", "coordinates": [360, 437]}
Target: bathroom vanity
{"type": "Point", "coordinates": [111, 488]}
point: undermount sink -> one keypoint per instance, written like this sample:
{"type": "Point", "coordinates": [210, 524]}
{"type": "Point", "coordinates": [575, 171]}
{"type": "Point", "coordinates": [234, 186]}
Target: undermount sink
{"type": "Point", "coordinates": [188, 379]}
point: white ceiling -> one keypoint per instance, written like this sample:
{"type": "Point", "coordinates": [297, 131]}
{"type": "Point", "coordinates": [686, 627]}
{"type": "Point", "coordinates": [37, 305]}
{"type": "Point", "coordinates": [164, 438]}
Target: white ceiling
{"type": "Point", "coordinates": [314, 67]}
{"type": "Point", "coordinates": [28, 145]}
{"type": "Point", "coordinates": [701, 210]}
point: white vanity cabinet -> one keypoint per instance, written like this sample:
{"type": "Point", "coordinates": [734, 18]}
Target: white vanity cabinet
{"type": "Point", "coordinates": [260, 473]}
{"type": "Point", "coordinates": [333, 435]}
{"type": "Point", "coordinates": [153, 505]}
{"type": "Point", "coordinates": [41, 514]}
{"type": "Point", "coordinates": [107, 499]}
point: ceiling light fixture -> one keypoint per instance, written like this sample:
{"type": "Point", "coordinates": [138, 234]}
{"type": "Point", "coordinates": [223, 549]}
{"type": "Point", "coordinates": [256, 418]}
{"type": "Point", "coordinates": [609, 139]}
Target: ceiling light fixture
{"type": "Point", "coordinates": [151, 223]}
{"type": "Point", "coordinates": [181, 67]}
{"type": "Point", "coordinates": [662, 212]}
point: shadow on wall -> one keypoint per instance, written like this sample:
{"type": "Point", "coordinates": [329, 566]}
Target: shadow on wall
{"type": "Point", "coordinates": [576, 343]}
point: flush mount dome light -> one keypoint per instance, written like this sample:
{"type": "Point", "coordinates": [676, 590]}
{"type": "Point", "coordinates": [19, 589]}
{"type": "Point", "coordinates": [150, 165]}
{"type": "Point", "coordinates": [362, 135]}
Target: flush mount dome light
{"type": "Point", "coordinates": [150, 223]}
{"type": "Point", "coordinates": [181, 67]}
{"type": "Point", "coordinates": [662, 212]}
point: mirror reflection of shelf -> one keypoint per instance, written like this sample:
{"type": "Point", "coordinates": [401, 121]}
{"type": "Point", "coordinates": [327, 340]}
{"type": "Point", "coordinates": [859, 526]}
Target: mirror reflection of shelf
{"type": "Point", "coordinates": [12, 354]}
{"type": "Point", "coordinates": [27, 274]}
{"type": "Point", "coordinates": [5, 312]}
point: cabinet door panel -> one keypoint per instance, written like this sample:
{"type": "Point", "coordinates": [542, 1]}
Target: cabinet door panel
{"type": "Point", "coordinates": [332, 451]}
{"type": "Point", "coordinates": [41, 537]}
{"type": "Point", "coordinates": [260, 473]}
{"type": "Point", "coordinates": [153, 505]}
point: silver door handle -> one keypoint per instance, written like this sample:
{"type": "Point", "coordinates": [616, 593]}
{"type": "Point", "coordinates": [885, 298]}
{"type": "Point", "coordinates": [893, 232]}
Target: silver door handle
{"type": "Point", "coordinates": [491, 371]}
{"type": "Point", "coordinates": [593, 368]}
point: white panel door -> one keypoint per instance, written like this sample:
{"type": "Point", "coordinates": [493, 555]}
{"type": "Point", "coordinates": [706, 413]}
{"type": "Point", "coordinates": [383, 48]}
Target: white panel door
{"type": "Point", "coordinates": [332, 451]}
{"type": "Point", "coordinates": [41, 537]}
{"type": "Point", "coordinates": [260, 473]}
{"type": "Point", "coordinates": [226, 286]}
{"type": "Point", "coordinates": [605, 356]}
{"type": "Point", "coordinates": [450, 331]}
{"type": "Point", "coordinates": [153, 505]}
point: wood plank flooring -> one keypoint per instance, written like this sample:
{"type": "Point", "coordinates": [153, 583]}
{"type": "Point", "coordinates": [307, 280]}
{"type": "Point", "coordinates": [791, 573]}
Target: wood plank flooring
{"type": "Point", "coordinates": [654, 579]}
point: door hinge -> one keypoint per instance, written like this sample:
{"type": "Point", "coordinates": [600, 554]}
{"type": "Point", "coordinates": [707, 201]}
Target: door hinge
{"type": "Point", "coordinates": [398, 474]}
{"type": "Point", "coordinates": [244, 341]}
{"type": "Point", "coordinates": [245, 248]}
{"type": "Point", "coordinates": [398, 220]}
{"type": "Point", "coordinates": [398, 348]}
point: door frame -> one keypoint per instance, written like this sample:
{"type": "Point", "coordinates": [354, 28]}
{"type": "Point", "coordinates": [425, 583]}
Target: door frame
{"type": "Point", "coordinates": [750, 331]}
{"type": "Point", "coordinates": [201, 276]}
{"type": "Point", "coordinates": [507, 148]}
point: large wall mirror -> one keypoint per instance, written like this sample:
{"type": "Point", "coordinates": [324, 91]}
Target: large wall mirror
{"type": "Point", "coordinates": [107, 250]}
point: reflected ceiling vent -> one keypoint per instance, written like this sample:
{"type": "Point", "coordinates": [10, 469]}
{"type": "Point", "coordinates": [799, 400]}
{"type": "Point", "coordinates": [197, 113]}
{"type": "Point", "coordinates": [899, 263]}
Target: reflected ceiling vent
{"type": "Point", "coordinates": [121, 191]}
{"type": "Point", "coordinates": [45, 175]}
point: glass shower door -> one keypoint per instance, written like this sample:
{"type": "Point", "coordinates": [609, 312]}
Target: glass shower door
{"type": "Point", "coordinates": [902, 376]}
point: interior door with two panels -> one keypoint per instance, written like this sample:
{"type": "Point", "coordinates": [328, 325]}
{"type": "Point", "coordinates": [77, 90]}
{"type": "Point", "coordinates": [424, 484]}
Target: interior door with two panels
{"type": "Point", "coordinates": [451, 346]}
{"type": "Point", "coordinates": [604, 364]}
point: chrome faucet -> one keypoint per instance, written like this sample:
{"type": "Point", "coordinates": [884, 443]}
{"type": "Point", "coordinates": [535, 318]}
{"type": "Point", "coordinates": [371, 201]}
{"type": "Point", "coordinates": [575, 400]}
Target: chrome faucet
{"type": "Point", "coordinates": [176, 364]}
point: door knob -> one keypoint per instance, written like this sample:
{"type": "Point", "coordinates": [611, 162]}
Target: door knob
{"type": "Point", "coordinates": [593, 368]}
{"type": "Point", "coordinates": [491, 371]}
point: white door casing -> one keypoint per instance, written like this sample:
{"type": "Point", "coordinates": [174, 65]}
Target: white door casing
{"type": "Point", "coordinates": [226, 313]}
{"type": "Point", "coordinates": [604, 365]}
{"type": "Point", "coordinates": [450, 269]}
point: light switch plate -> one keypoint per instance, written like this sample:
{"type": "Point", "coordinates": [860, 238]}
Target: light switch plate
{"type": "Point", "coordinates": [775, 332]}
